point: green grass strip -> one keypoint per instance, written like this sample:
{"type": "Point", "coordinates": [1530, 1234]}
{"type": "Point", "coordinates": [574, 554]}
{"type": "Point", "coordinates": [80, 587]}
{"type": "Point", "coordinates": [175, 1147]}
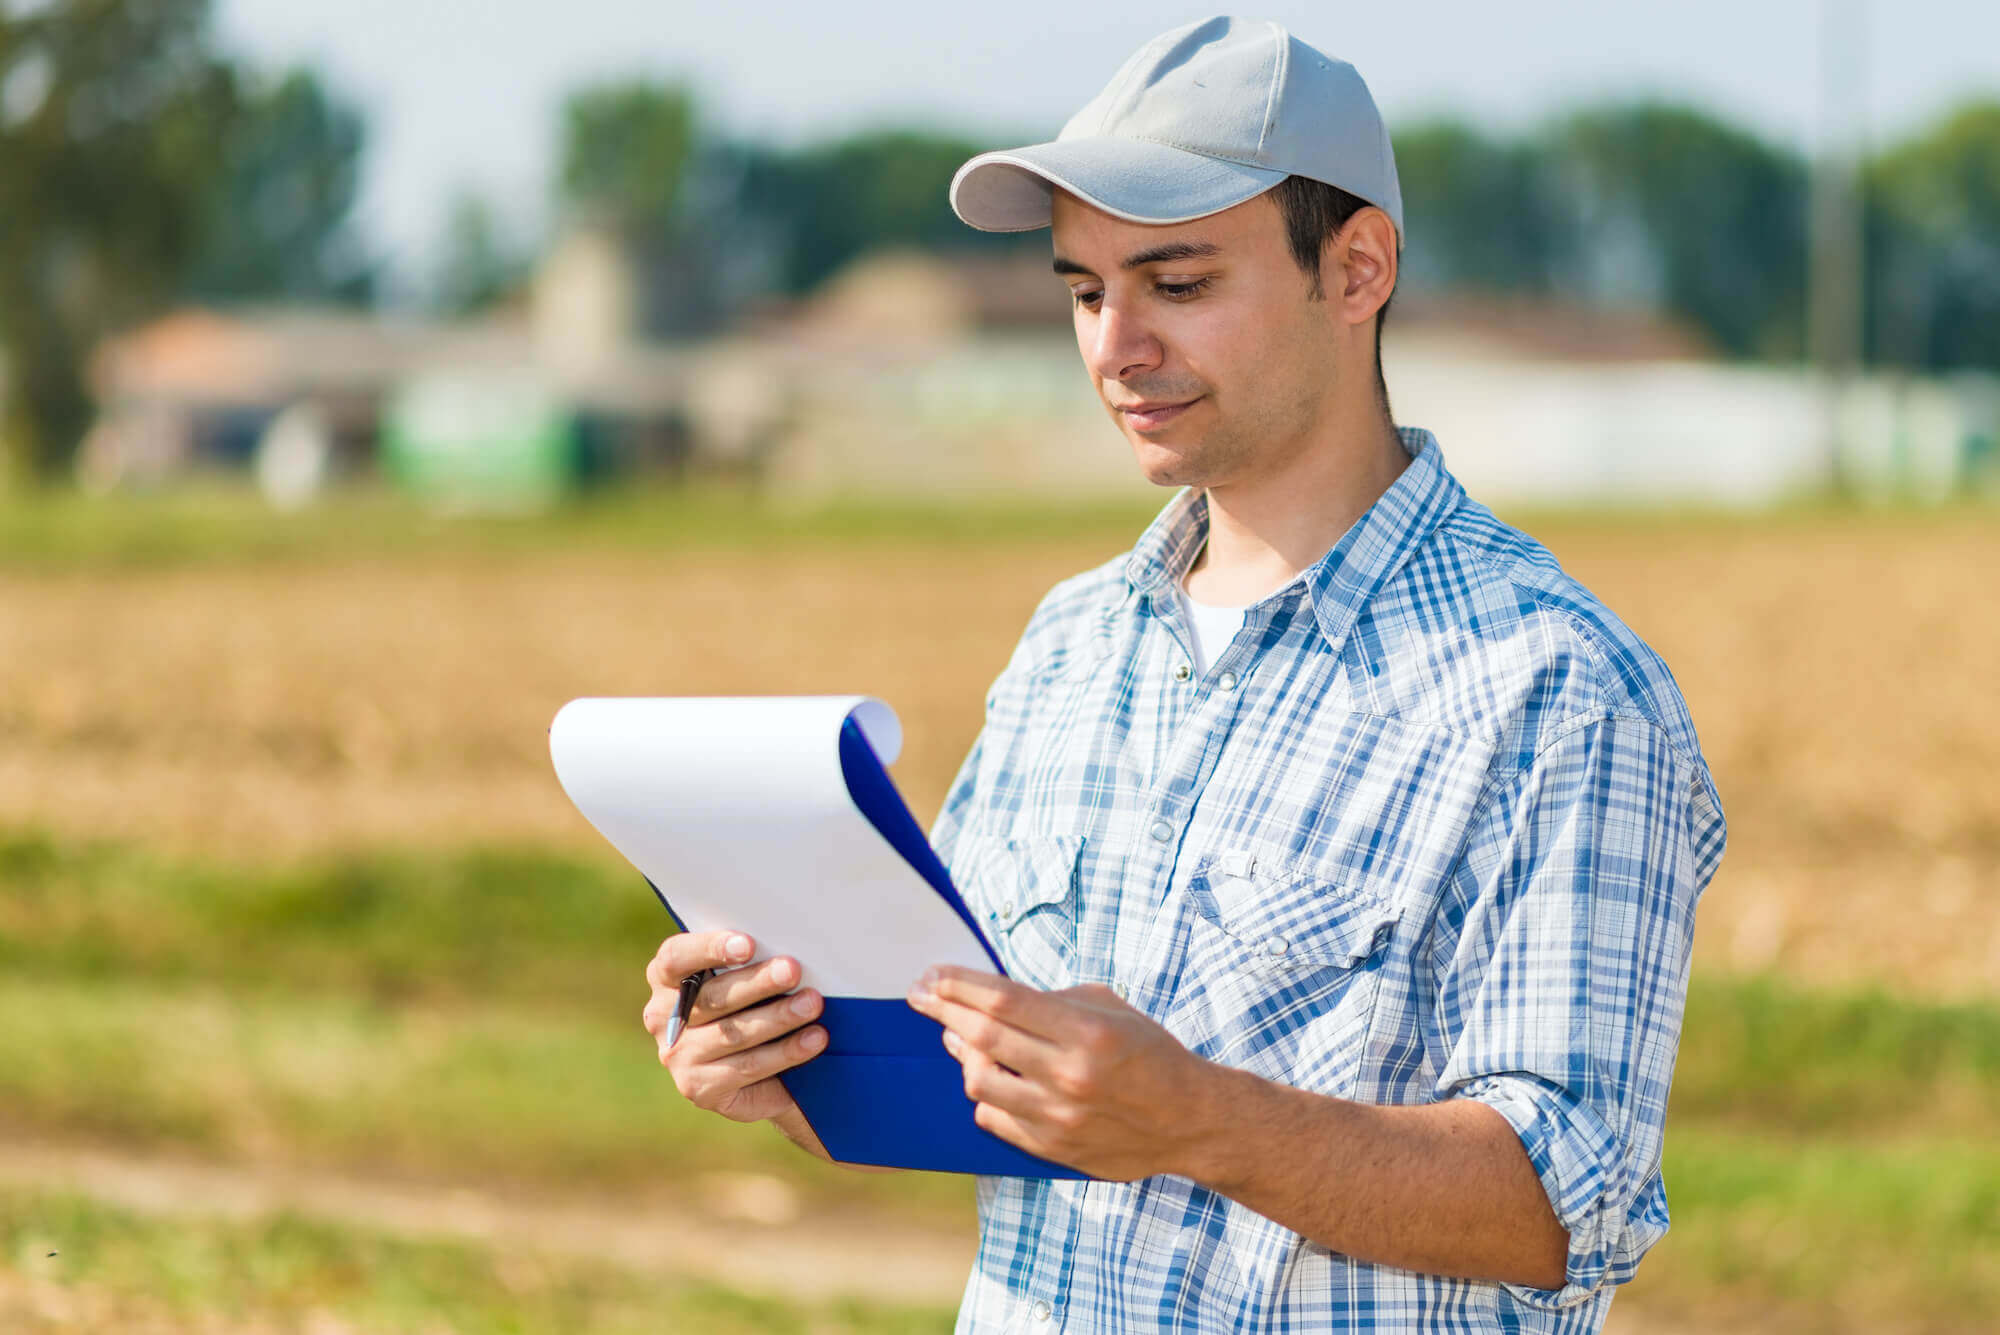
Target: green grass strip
{"type": "Point", "coordinates": [494, 1095]}
{"type": "Point", "coordinates": [478, 926]}
{"type": "Point", "coordinates": [223, 519]}
{"type": "Point", "coordinates": [525, 928]}
{"type": "Point", "coordinates": [127, 1270]}
{"type": "Point", "coordinates": [1829, 1235]}
{"type": "Point", "coordinates": [223, 522]}
{"type": "Point", "coordinates": [1764, 1052]}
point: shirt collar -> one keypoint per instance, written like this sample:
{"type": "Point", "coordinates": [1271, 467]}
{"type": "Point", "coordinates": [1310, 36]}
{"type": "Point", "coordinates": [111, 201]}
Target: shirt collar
{"type": "Point", "coordinates": [1341, 582]}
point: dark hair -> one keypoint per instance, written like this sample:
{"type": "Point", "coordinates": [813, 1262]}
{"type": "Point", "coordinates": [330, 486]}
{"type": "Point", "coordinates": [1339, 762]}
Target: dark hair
{"type": "Point", "coordinates": [1314, 211]}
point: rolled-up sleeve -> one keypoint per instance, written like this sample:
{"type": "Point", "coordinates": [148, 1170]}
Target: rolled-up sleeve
{"type": "Point", "coordinates": [1560, 997]}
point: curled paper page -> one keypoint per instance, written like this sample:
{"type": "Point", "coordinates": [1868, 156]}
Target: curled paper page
{"type": "Point", "coordinates": [741, 812]}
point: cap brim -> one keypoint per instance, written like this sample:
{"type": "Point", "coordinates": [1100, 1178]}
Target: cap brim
{"type": "Point", "coordinates": [1135, 179]}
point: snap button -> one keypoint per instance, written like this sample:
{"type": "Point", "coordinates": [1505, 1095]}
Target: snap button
{"type": "Point", "coordinates": [1236, 863]}
{"type": "Point", "coordinates": [1042, 1310]}
{"type": "Point", "coordinates": [1007, 909]}
{"type": "Point", "coordinates": [1226, 682]}
{"type": "Point", "coordinates": [1162, 831]}
{"type": "Point", "coordinates": [1118, 990]}
{"type": "Point", "coordinates": [1182, 671]}
{"type": "Point", "coordinates": [1276, 946]}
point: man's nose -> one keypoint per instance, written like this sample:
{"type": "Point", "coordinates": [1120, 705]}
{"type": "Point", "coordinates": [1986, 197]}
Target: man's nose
{"type": "Point", "coordinates": [1120, 343]}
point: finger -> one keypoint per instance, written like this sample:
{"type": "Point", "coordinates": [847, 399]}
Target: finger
{"type": "Point", "coordinates": [655, 1012]}
{"type": "Point", "coordinates": [741, 1069]}
{"type": "Point", "coordinates": [1024, 1008]}
{"type": "Point", "coordinates": [749, 1028]}
{"type": "Point", "coordinates": [1013, 1130]}
{"type": "Point", "coordinates": [730, 992]}
{"type": "Point", "coordinates": [686, 953]}
{"type": "Point", "coordinates": [988, 1083]}
{"type": "Point", "coordinates": [1030, 1054]}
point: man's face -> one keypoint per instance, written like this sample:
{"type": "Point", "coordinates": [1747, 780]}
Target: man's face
{"type": "Point", "coordinates": [1213, 315]}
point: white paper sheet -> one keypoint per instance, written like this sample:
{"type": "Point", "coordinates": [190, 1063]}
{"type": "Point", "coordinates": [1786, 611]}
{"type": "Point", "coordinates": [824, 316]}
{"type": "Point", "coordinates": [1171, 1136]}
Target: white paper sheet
{"type": "Point", "coordinates": [736, 809]}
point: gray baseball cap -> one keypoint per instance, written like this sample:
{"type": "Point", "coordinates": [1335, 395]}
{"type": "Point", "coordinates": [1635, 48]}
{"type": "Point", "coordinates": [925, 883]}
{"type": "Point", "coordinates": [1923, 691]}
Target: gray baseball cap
{"type": "Point", "coordinates": [1198, 120]}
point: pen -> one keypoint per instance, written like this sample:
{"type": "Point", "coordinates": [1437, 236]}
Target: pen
{"type": "Point", "coordinates": [684, 1004]}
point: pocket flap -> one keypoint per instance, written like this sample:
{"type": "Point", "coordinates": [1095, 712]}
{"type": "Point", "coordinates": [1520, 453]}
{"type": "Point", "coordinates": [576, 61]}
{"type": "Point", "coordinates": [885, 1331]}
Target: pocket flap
{"type": "Point", "coordinates": [1294, 913]}
{"type": "Point", "coordinates": [1014, 874]}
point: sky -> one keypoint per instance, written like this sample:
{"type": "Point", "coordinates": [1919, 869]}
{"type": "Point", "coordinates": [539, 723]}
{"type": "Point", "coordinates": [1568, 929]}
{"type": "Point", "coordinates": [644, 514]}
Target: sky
{"type": "Point", "coordinates": [466, 93]}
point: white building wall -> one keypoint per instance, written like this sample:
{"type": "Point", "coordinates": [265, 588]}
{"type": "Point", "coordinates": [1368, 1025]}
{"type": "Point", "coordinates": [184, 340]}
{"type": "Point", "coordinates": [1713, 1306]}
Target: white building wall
{"type": "Point", "coordinates": [1019, 414]}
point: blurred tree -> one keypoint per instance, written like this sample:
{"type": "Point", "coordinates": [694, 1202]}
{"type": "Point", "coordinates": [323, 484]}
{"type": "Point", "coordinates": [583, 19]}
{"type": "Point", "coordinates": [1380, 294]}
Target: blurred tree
{"type": "Point", "coordinates": [1718, 215]}
{"type": "Point", "coordinates": [110, 111]}
{"type": "Point", "coordinates": [710, 221]}
{"type": "Point", "coordinates": [277, 225]}
{"type": "Point", "coordinates": [479, 266]}
{"type": "Point", "coordinates": [626, 149]}
{"type": "Point", "coordinates": [137, 167]}
{"type": "Point", "coordinates": [631, 162]}
{"type": "Point", "coordinates": [1933, 244]}
{"type": "Point", "coordinates": [1646, 201]}
{"type": "Point", "coordinates": [882, 187]}
{"type": "Point", "coordinates": [1481, 213]}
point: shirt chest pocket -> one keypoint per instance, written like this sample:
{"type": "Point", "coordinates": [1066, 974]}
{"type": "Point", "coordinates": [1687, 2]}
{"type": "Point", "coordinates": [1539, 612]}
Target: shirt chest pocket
{"type": "Point", "coordinates": [1023, 889]}
{"type": "Point", "coordinates": [1280, 969]}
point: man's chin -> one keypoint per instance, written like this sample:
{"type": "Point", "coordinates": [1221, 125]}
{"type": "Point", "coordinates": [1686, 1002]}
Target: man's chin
{"type": "Point", "coordinates": [1164, 466]}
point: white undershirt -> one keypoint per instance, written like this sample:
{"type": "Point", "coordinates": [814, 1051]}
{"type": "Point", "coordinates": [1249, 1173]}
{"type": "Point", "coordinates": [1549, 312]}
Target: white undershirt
{"type": "Point", "coordinates": [1214, 628]}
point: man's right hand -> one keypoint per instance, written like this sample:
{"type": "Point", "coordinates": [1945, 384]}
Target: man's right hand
{"type": "Point", "coordinates": [742, 1031]}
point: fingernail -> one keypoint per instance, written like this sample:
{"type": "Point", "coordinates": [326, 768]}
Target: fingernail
{"type": "Point", "coordinates": [738, 947]}
{"type": "Point", "coordinates": [815, 1040]}
{"type": "Point", "coordinates": [802, 1007]}
{"type": "Point", "coordinates": [919, 994]}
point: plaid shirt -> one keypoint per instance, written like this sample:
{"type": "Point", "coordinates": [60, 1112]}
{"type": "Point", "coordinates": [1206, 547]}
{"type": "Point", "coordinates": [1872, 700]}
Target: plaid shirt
{"type": "Point", "coordinates": [1432, 827]}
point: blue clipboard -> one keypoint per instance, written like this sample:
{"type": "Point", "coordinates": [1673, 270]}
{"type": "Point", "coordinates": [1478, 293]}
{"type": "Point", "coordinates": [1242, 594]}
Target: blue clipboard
{"type": "Point", "coordinates": [884, 1091]}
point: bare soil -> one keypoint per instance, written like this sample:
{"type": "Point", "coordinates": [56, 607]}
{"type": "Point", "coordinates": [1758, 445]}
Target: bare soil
{"type": "Point", "coordinates": [1841, 673]}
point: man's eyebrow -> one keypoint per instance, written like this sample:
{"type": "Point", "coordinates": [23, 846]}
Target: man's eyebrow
{"type": "Point", "coordinates": [1172, 250]}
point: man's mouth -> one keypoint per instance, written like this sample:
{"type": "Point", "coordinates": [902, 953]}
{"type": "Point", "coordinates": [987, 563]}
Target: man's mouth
{"type": "Point", "coordinates": [1145, 417]}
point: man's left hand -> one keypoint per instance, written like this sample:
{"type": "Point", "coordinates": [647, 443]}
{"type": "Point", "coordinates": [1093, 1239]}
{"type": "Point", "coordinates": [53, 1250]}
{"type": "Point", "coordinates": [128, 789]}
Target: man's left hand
{"type": "Point", "coordinates": [1075, 1076]}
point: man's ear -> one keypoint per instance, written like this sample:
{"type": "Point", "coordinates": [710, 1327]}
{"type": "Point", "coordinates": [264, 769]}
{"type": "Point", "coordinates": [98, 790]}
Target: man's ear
{"type": "Point", "coordinates": [1360, 270]}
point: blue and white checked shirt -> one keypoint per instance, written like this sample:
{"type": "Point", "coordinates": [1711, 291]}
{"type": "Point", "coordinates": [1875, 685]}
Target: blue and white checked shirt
{"type": "Point", "coordinates": [1432, 827]}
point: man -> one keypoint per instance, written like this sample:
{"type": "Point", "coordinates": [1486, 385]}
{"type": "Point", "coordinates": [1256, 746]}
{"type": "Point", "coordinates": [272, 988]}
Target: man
{"type": "Point", "coordinates": [1342, 850]}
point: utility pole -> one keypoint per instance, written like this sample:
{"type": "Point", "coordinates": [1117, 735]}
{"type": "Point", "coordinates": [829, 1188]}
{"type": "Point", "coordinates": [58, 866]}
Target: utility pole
{"type": "Point", "coordinates": [1834, 279]}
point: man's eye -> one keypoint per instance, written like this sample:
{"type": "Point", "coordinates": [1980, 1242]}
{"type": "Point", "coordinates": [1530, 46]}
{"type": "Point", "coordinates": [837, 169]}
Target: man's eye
{"type": "Point", "coordinates": [1171, 291]}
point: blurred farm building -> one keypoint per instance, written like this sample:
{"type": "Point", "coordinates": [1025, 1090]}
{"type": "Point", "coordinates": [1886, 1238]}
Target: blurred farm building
{"type": "Point", "coordinates": [942, 374]}
{"type": "Point", "coordinates": [543, 391]}
{"type": "Point", "coordinates": [937, 374]}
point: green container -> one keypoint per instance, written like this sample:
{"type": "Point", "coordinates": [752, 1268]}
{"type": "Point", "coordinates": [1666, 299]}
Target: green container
{"type": "Point", "coordinates": [479, 441]}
